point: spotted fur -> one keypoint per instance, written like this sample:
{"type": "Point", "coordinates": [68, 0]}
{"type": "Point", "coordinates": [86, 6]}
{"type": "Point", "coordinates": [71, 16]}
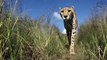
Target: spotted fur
{"type": "Point", "coordinates": [70, 23]}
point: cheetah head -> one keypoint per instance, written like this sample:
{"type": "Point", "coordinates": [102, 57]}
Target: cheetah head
{"type": "Point", "coordinates": [67, 13]}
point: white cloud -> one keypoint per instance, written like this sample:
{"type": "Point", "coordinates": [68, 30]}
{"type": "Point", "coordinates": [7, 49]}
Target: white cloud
{"type": "Point", "coordinates": [64, 31]}
{"type": "Point", "coordinates": [57, 16]}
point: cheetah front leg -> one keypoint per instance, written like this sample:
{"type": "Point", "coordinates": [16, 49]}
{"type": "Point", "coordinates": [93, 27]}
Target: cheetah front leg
{"type": "Point", "coordinates": [69, 37]}
{"type": "Point", "coordinates": [73, 33]}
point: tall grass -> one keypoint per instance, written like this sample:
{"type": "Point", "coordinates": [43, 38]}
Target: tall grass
{"type": "Point", "coordinates": [24, 38]}
{"type": "Point", "coordinates": [93, 36]}
{"type": "Point", "coordinates": [27, 39]}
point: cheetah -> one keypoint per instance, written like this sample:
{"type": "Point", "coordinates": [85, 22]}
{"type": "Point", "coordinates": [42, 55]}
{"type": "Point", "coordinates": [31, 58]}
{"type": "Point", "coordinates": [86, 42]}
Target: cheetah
{"type": "Point", "coordinates": [70, 23]}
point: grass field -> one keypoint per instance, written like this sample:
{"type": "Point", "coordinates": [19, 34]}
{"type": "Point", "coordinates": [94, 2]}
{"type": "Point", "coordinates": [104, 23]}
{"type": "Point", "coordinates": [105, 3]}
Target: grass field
{"type": "Point", "coordinates": [22, 38]}
{"type": "Point", "coordinates": [27, 39]}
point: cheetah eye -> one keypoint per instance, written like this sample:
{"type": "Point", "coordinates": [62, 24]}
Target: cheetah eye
{"type": "Point", "coordinates": [62, 11]}
{"type": "Point", "coordinates": [69, 10]}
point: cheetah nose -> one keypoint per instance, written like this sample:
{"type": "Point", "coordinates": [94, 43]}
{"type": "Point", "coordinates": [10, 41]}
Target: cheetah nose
{"type": "Point", "coordinates": [65, 16]}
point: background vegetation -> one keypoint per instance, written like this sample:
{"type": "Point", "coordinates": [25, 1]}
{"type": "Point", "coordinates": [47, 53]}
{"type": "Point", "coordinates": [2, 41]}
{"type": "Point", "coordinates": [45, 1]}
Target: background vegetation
{"type": "Point", "coordinates": [22, 38]}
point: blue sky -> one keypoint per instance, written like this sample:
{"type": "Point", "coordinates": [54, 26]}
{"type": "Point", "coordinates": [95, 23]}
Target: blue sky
{"type": "Point", "coordinates": [36, 8]}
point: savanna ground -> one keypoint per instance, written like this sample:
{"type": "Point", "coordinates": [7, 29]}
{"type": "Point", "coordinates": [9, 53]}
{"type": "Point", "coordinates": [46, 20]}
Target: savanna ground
{"type": "Point", "coordinates": [22, 38]}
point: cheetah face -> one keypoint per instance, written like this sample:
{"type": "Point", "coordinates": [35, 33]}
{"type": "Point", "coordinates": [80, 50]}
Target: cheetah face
{"type": "Point", "coordinates": [67, 13]}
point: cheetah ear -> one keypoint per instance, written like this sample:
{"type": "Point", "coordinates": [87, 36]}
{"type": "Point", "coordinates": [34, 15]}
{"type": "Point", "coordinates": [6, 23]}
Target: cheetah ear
{"type": "Point", "coordinates": [60, 8]}
{"type": "Point", "coordinates": [72, 7]}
